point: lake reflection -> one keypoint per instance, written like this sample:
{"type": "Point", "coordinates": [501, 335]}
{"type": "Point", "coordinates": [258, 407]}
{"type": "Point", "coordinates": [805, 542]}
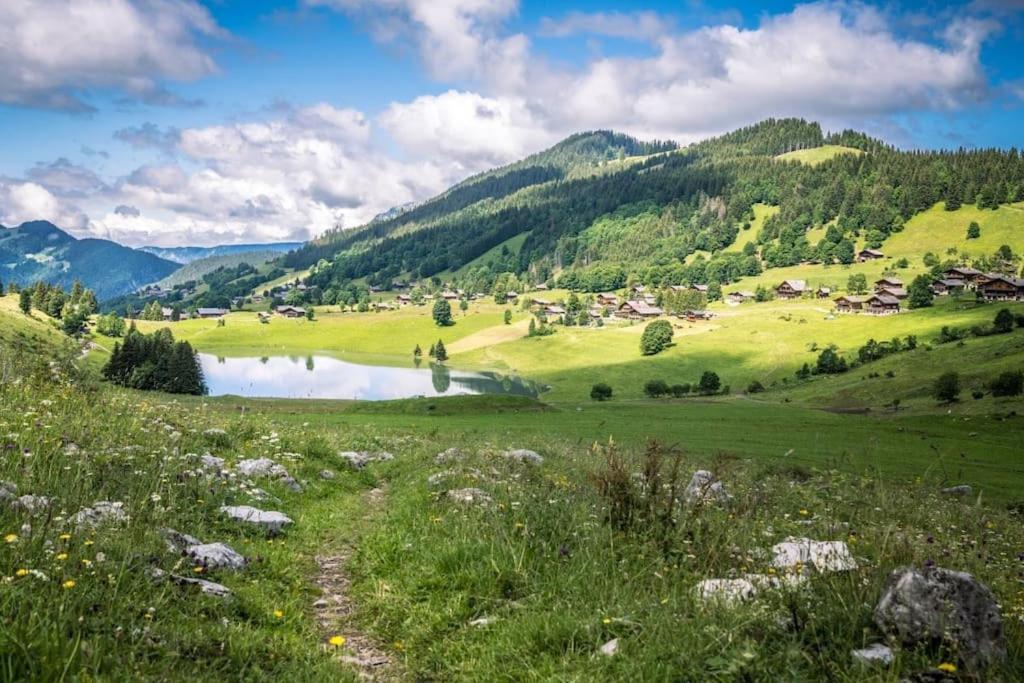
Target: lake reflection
{"type": "Point", "coordinates": [325, 377]}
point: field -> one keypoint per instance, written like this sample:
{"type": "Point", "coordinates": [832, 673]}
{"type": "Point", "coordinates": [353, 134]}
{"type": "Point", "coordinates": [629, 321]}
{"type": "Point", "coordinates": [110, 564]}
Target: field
{"type": "Point", "coordinates": [817, 155]}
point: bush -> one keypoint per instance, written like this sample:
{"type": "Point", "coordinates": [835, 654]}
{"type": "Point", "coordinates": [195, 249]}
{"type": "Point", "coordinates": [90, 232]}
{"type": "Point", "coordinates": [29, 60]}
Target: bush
{"type": "Point", "coordinates": [443, 313]}
{"type": "Point", "coordinates": [947, 387]}
{"type": "Point", "coordinates": [600, 392]}
{"type": "Point", "coordinates": [680, 390]}
{"type": "Point", "coordinates": [656, 338]}
{"type": "Point", "coordinates": [755, 387]}
{"type": "Point", "coordinates": [1003, 321]}
{"type": "Point", "coordinates": [656, 387]}
{"type": "Point", "coordinates": [709, 383]}
{"type": "Point", "coordinates": [831, 363]}
{"type": "Point", "coordinates": [973, 231]}
{"type": "Point", "coordinates": [1009, 383]}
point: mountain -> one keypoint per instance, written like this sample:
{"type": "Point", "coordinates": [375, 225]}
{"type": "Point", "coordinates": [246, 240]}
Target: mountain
{"type": "Point", "coordinates": [600, 206]}
{"type": "Point", "coordinates": [39, 250]}
{"type": "Point", "coordinates": [185, 255]}
{"type": "Point", "coordinates": [195, 270]}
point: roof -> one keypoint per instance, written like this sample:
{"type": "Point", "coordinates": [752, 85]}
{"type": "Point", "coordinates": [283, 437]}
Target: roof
{"type": "Point", "coordinates": [886, 299]}
{"type": "Point", "coordinates": [642, 307]}
{"type": "Point", "coordinates": [966, 270]}
{"type": "Point", "coordinates": [992, 277]}
{"type": "Point", "coordinates": [890, 280]}
{"type": "Point", "coordinates": [950, 282]}
{"type": "Point", "coordinates": [284, 309]}
{"type": "Point", "coordinates": [699, 288]}
{"type": "Point", "coordinates": [557, 310]}
{"type": "Point", "coordinates": [746, 295]}
{"type": "Point", "coordinates": [873, 252]}
{"type": "Point", "coordinates": [608, 295]}
{"type": "Point", "coordinates": [851, 299]}
{"type": "Point", "coordinates": [898, 292]}
{"type": "Point", "coordinates": [796, 285]}
{"type": "Point", "coordinates": [827, 290]}
{"type": "Point", "coordinates": [211, 311]}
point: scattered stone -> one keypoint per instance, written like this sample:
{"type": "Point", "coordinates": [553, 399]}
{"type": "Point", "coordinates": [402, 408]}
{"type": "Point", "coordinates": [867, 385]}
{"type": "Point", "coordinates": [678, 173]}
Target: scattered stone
{"type": "Point", "coordinates": [483, 621]}
{"type": "Point", "coordinates": [704, 488]}
{"type": "Point", "coordinates": [291, 483]}
{"type": "Point", "coordinates": [469, 496]}
{"type": "Point", "coordinates": [450, 455]}
{"type": "Point", "coordinates": [611, 648]}
{"type": "Point", "coordinates": [207, 587]}
{"type": "Point", "coordinates": [823, 556]}
{"type": "Point", "coordinates": [273, 522]}
{"type": "Point", "coordinates": [726, 591]}
{"type": "Point", "coordinates": [873, 654]}
{"type": "Point", "coordinates": [359, 460]}
{"type": "Point", "coordinates": [320, 604]}
{"type": "Point", "coordinates": [178, 542]}
{"type": "Point", "coordinates": [260, 467]}
{"type": "Point", "coordinates": [31, 503]}
{"type": "Point", "coordinates": [216, 556]}
{"type": "Point", "coordinates": [101, 513]}
{"type": "Point", "coordinates": [8, 491]}
{"type": "Point", "coordinates": [524, 455]}
{"type": "Point", "coordinates": [210, 462]}
{"type": "Point", "coordinates": [327, 475]}
{"type": "Point", "coordinates": [72, 449]}
{"type": "Point", "coordinates": [962, 490]}
{"type": "Point", "coordinates": [936, 604]}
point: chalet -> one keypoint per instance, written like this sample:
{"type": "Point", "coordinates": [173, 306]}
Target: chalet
{"type": "Point", "coordinates": [403, 299]}
{"type": "Point", "coordinates": [512, 295]}
{"type": "Point", "coordinates": [263, 316]}
{"type": "Point", "coordinates": [211, 312]}
{"type": "Point", "coordinates": [637, 310]}
{"type": "Point", "coordinates": [302, 287]}
{"type": "Point", "coordinates": [791, 289]}
{"type": "Point", "coordinates": [969, 276]}
{"type": "Point", "coordinates": [399, 284]}
{"type": "Point", "coordinates": [898, 292]}
{"type": "Point", "coordinates": [541, 287]}
{"type": "Point", "coordinates": [374, 289]}
{"type": "Point", "coordinates": [703, 289]}
{"type": "Point", "coordinates": [996, 287]}
{"type": "Point", "coordinates": [554, 310]}
{"type": "Point", "coordinates": [167, 313]}
{"type": "Point", "coordinates": [947, 286]}
{"type": "Point", "coordinates": [693, 316]}
{"type": "Point", "coordinates": [650, 299]}
{"type": "Point", "coordinates": [450, 295]}
{"type": "Point", "coordinates": [595, 312]}
{"type": "Point", "coordinates": [637, 289]}
{"type": "Point", "coordinates": [542, 303]}
{"type": "Point", "coordinates": [888, 283]}
{"type": "Point", "coordinates": [291, 311]}
{"type": "Point", "coordinates": [882, 304]}
{"type": "Point", "coordinates": [869, 255]}
{"type": "Point", "coordinates": [823, 292]}
{"type": "Point", "coordinates": [740, 297]}
{"type": "Point", "coordinates": [607, 299]}
{"type": "Point", "coordinates": [849, 304]}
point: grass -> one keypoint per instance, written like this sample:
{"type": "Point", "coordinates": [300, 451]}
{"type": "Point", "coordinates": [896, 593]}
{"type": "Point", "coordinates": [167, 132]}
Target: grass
{"type": "Point", "coordinates": [761, 213]}
{"type": "Point", "coordinates": [514, 244]}
{"type": "Point", "coordinates": [939, 231]}
{"type": "Point", "coordinates": [817, 155]}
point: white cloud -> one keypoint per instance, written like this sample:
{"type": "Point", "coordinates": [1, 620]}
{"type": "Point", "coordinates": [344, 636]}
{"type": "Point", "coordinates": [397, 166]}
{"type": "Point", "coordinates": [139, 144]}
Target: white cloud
{"type": "Point", "coordinates": [27, 201]}
{"type": "Point", "coordinates": [53, 52]}
{"type": "Point", "coordinates": [633, 25]}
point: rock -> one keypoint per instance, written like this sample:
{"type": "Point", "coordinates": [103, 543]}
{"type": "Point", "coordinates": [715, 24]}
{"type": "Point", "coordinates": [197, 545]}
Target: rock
{"type": "Point", "coordinates": [359, 460]}
{"type": "Point", "coordinates": [8, 491]}
{"type": "Point", "coordinates": [209, 462]}
{"type": "Point", "coordinates": [524, 455]}
{"type": "Point", "coordinates": [273, 522]}
{"type": "Point", "coordinates": [936, 604]}
{"type": "Point", "coordinates": [704, 488]}
{"type": "Point", "coordinates": [320, 604]}
{"type": "Point", "coordinates": [207, 587]}
{"type": "Point", "coordinates": [101, 513]}
{"type": "Point", "coordinates": [450, 455]}
{"type": "Point", "coordinates": [469, 496]}
{"type": "Point", "coordinates": [260, 467]}
{"type": "Point", "coordinates": [726, 591]}
{"type": "Point", "coordinates": [823, 556]}
{"type": "Point", "coordinates": [611, 648]}
{"type": "Point", "coordinates": [31, 504]}
{"type": "Point", "coordinates": [873, 654]}
{"type": "Point", "coordinates": [216, 556]}
{"type": "Point", "coordinates": [291, 483]}
{"type": "Point", "coordinates": [483, 621]}
{"type": "Point", "coordinates": [961, 490]}
{"type": "Point", "coordinates": [178, 542]}
{"type": "Point", "coordinates": [327, 475]}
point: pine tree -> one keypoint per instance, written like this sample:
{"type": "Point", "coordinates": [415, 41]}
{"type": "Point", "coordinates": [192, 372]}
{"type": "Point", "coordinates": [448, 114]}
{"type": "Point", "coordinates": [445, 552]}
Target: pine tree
{"type": "Point", "coordinates": [440, 353]}
{"type": "Point", "coordinates": [25, 301]}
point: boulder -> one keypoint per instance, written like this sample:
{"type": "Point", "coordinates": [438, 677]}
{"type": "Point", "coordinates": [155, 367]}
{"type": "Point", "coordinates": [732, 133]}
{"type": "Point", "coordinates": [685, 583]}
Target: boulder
{"type": "Point", "coordinates": [178, 542]}
{"type": "Point", "coordinates": [611, 648]}
{"type": "Point", "coordinates": [450, 455]}
{"type": "Point", "coordinates": [524, 455]}
{"type": "Point", "coordinates": [823, 556]}
{"type": "Point", "coordinates": [31, 503]}
{"type": "Point", "coordinates": [271, 521]}
{"type": "Point", "coordinates": [936, 604]}
{"type": "Point", "coordinates": [212, 463]}
{"type": "Point", "coordinates": [704, 488]}
{"type": "Point", "coordinates": [962, 490]}
{"type": "Point", "coordinates": [260, 467]}
{"type": "Point", "coordinates": [873, 654]}
{"type": "Point", "coordinates": [726, 591]}
{"type": "Point", "coordinates": [216, 556]}
{"type": "Point", "coordinates": [357, 460]}
{"type": "Point", "coordinates": [8, 491]}
{"type": "Point", "coordinates": [327, 475]}
{"type": "Point", "coordinates": [207, 587]}
{"type": "Point", "coordinates": [102, 512]}
{"type": "Point", "coordinates": [469, 496]}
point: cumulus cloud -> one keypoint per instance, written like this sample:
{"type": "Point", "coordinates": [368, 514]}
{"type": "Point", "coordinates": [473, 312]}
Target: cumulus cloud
{"type": "Point", "coordinates": [66, 179]}
{"type": "Point", "coordinates": [56, 51]}
{"type": "Point", "coordinates": [28, 201]}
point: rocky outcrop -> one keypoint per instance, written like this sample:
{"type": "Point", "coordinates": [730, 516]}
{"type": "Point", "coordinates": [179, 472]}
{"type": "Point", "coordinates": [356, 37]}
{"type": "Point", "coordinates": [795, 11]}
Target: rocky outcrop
{"type": "Point", "coordinates": [524, 455]}
{"type": "Point", "coordinates": [704, 488]}
{"type": "Point", "coordinates": [804, 553]}
{"type": "Point", "coordinates": [270, 521]}
{"type": "Point", "coordinates": [103, 512]}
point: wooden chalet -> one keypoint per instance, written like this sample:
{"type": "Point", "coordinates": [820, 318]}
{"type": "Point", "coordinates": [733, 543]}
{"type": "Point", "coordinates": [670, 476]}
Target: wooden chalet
{"type": "Point", "coordinates": [869, 255]}
{"type": "Point", "coordinates": [740, 297]}
{"type": "Point", "coordinates": [637, 310]}
{"type": "Point", "coordinates": [887, 283]}
{"type": "Point", "coordinates": [450, 295]}
{"type": "Point", "coordinates": [898, 292]}
{"type": "Point", "coordinates": [969, 276]}
{"type": "Point", "coordinates": [823, 292]}
{"type": "Point", "coordinates": [403, 299]}
{"type": "Point", "coordinates": [693, 316]}
{"type": "Point", "coordinates": [541, 303]}
{"type": "Point", "coordinates": [703, 289]}
{"type": "Point", "coordinates": [849, 304]}
{"type": "Point", "coordinates": [791, 289]}
{"type": "Point", "coordinates": [542, 287]}
{"type": "Point", "coordinates": [554, 310]}
{"type": "Point", "coordinates": [211, 312]}
{"type": "Point", "coordinates": [998, 287]}
{"type": "Point", "coordinates": [607, 299]}
{"type": "Point", "coordinates": [882, 304]}
{"type": "Point", "coordinates": [947, 286]}
{"type": "Point", "coordinates": [291, 311]}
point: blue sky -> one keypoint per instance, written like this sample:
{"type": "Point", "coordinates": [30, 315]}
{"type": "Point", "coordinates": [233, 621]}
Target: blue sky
{"type": "Point", "coordinates": [180, 121]}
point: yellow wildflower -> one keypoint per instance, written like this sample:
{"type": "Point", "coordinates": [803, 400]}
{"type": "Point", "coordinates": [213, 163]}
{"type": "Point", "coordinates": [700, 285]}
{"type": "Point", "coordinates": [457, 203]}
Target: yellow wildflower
{"type": "Point", "coordinates": [947, 667]}
{"type": "Point", "coordinates": [89, 542]}
{"type": "Point", "coordinates": [61, 557]}
{"type": "Point", "coordinates": [278, 613]}
{"type": "Point", "coordinates": [337, 641]}
{"type": "Point", "coordinates": [64, 537]}
{"type": "Point", "coordinates": [197, 570]}
{"type": "Point", "coordinates": [70, 583]}
{"type": "Point", "coordinates": [805, 512]}
{"type": "Point", "coordinates": [21, 572]}
{"type": "Point", "coordinates": [10, 538]}
{"type": "Point", "coordinates": [606, 620]}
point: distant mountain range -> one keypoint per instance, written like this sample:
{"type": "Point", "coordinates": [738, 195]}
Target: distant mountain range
{"type": "Point", "coordinates": [39, 250]}
{"type": "Point", "coordinates": [185, 255]}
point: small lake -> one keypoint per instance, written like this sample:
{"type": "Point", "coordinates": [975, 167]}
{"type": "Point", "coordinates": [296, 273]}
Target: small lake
{"type": "Point", "coordinates": [326, 377]}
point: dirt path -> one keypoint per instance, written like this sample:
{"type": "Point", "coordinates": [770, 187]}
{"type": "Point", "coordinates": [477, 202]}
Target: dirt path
{"type": "Point", "coordinates": [490, 337]}
{"type": "Point", "coordinates": [335, 612]}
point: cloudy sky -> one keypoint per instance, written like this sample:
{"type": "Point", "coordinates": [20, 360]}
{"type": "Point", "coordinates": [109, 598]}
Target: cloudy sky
{"type": "Point", "coordinates": [177, 122]}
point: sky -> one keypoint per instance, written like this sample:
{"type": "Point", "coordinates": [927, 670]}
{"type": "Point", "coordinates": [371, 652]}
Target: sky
{"type": "Point", "coordinates": [189, 122]}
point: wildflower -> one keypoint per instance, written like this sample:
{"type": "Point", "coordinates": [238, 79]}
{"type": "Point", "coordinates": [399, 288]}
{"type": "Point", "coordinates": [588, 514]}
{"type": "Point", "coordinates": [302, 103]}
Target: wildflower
{"type": "Point", "coordinates": [337, 641]}
{"type": "Point", "coordinates": [805, 512]}
{"type": "Point", "coordinates": [606, 621]}
{"type": "Point", "coordinates": [21, 572]}
{"type": "Point", "coordinates": [89, 542]}
{"type": "Point", "coordinates": [947, 667]}
{"type": "Point", "coordinates": [70, 583]}
{"type": "Point", "coordinates": [61, 557]}
{"type": "Point", "coordinates": [64, 537]}
{"type": "Point", "coordinates": [197, 570]}
{"type": "Point", "coordinates": [278, 613]}
{"type": "Point", "coordinates": [10, 538]}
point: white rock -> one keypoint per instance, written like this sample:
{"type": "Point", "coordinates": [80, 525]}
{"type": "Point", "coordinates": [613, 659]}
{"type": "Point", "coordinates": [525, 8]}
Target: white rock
{"type": "Point", "coordinates": [210, 462]}
{"type": "Point", "coordinates": [483, 621]}
{"type": "Point", "coordinates": [873, 654]}
{"type": "Point", "coordinates": [101, 513]}
{"type": "Point", "coordinates": [260, 467]}
{"type": "Point", "coordinates": [704, 488]}
{"type": "Point", "coordinates": [450, 455]}
{"type": "Point", "coordinates": [269, 520]}
{"type": "Point", "coordinates": [726, 591]}
{"type": "Point", "coordinates": [359, 460]}
{"type": "Point", "coordinates": [961, 490]}
{"type": "Point", "coordinates": [216, 556]}
{"type": "Point", "coordinates": [327, 475]}
{"type": "Point", "coordinates": [31, 503]}
{"type": "Point", "coordinates": [824, 556]}
{"type": "Point", "coordinates": [611, 648]}
{"type": "Point", "coordinates": [178, 542]}
{"type": "Point", "coordinates": [8, 491]}
{"type": "Point", "coordinates": [207, 587]}
{"type": "Point", "coordinates": [469, 496]}
{"type": "Point", "coordinates": [524, 455]}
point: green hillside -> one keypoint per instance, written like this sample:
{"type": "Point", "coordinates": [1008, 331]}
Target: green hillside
{"type": "Point", "coordinates": [195, 270]}
{"type": "Point", "coordinates": [818, 155]}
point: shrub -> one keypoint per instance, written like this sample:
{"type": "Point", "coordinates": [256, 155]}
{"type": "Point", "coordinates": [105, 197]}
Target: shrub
{"type": "Point", "coordinates": [973, 231]}
{"type": "Point", "coordinates": [947, 387]}
{"type": "Point", "coordinates": [709, 383]}
{"type": "Point", "coordinates": [977, 394]}
{"type": "Point", "coordinates": [1009, 383]}
{"type": "Point", "coordinates": [443, 313]}
{"type": "Point", "coordinates": [831, 363]}
{"type": "Point", "coordinates": [920, 294]}
{"type": "Point", "coordinates": [656, 387]}
{"type": "Point", "coordinates": [600, 392]}
{"type": "Point", "coordinates": [656, 338]}
{"type": "Point", "coordinates": [680, 390]}
{"type": "Point", "coordinates": [755, 387]}
{"type": "Point", "coordinates": [1003, 321]}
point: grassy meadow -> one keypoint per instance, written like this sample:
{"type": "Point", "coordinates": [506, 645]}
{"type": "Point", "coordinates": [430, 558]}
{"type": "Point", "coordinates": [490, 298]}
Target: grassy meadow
{"type": "Point", "coordinates": [817, 155]}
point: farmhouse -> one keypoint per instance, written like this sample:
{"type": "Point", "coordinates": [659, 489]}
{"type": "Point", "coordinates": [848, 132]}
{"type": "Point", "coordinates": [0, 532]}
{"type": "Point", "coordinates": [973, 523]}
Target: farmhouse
{"type": "Point", "coordinates": [542, 303]}
{"type": "Point", "coordinates": [887, 283]}
{"type": "Point", "coordinates": [791, 289]}
{"type": "Point", "coordinates": [607, 299]}
{"type": "Point", "coordinates": [849, 304]}
{"type": "Point", "coordinates": [740, 297]}
{"type": "Point", "coordinates": [595, 312]}
{"type": "Point", "coordinates": [969, 276]}
{"type": "Point", "coordinates": [693, 316]}
{"type": "Point", "coordinates": [403, 299]}
{"type": "Point", "coordinates": [882, 304]}
{"type": "Point", "coordinates": [947, 286]}
{"type": "Point", "coordinates": [703, 289]}
{"type": "Point", "coordinates": [996, 287]}
{"type": "Point", "coordinates": [541, 287]}
{"type": "Point", "coordinates": [291, 311]}
{"type": "Point", "coordinates": [450, 295]}
{"type": "Point", "coordinates": [637, 310]}
{"type": "Point", "coordinates": [823, 292]}
{"type": "Point", "coordinates": [898, 292]}
{"type": "Point", "coordinates": [869, 255]}
{"type": "Point", "coordinates": [554, 310]}
{"type": "Point", "coordinates": [211, 312]}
